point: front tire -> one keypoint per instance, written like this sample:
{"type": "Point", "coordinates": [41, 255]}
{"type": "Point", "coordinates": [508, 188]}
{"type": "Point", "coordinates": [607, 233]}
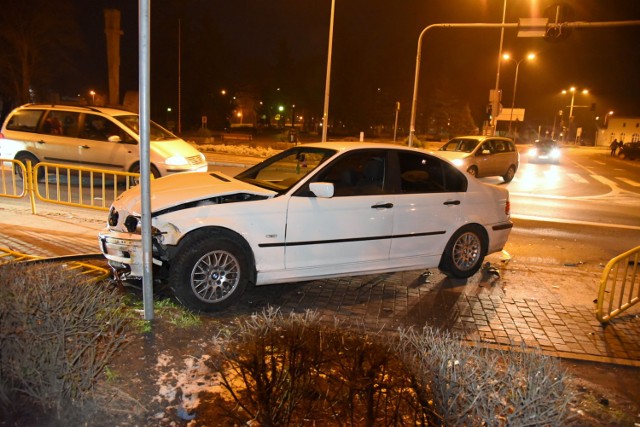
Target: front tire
{"type": "Point", "coordinates": [464, 253]}
{"type": "Point", "coordinates": [473, 171]}
{"type": "Point", "coordinates": [133, 181]}
{"type": "Point", "coordinates": [210, 274]}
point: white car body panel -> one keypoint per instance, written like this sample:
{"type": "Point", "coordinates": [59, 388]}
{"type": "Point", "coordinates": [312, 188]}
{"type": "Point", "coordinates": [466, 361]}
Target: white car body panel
{"type": "Point", "coordinates": [294, 236]}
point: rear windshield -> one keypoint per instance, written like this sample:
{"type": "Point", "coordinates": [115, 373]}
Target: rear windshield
{"type": "Point", "coordinates": [25, 120]}
{"type": "Point", "coordinates": [158, 133]}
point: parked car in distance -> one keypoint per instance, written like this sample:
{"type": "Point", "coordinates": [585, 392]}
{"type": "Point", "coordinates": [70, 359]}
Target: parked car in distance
{"type": "Point", "coordinates": [483, 156]}
{"type": "Point", "coordinates": [98, 137]}
{"type": "Point", "coordinates": [629, 150]}
{"type": "Point", "coordinates": [544, 150]}
{"type": "Point", "coordinates": [311, 212]}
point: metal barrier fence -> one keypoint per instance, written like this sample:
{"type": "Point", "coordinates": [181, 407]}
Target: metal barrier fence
{"type": "Point", "coordinates": [619, 285]}
{"type": "Point", "coordinates": [91, 272]}
{"type": "Point", "coordinates": [10, 187]}
{"type": "Point", "coordinates": [61, 184]}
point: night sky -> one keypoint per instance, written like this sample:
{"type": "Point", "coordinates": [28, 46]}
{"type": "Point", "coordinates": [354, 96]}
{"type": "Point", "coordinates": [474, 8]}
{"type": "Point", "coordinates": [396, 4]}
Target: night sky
{"type": "Point", "coordinates": [375, 50]}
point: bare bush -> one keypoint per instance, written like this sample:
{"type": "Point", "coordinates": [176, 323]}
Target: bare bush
{"type": "Point", "coordinates": [289, 370]}
{"type": "Point", "coordinates": [476, 386]}
{"type": "Point", "coordinates": [57, 335]}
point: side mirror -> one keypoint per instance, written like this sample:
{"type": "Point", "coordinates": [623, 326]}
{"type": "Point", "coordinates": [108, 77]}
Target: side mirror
{"type": "Point", "coordinates": [486, 152]}
{"type": "Point", "coordinates": [322, 189]}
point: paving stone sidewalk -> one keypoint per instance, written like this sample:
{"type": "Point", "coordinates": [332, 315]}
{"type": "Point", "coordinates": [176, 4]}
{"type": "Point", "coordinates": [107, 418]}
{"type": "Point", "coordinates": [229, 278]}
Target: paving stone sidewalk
{"type": "Point", "coordinates": [479, 309]}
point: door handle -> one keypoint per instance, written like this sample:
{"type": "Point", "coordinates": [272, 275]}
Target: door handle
{"type": "Point", "coordinates": [452, 202]}
{"type": "Point", "coordinates": [84, 146]}
{"type": "Point", "coordinates": [382, 206]}
{"type": "Point", "coordinates": [42, 141]}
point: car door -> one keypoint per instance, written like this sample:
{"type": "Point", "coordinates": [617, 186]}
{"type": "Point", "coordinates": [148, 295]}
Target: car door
{"type": "Point", "coordinates": [485, 159]}
{"type": "Point", "coordinates": [98, 148]}
{"type": "Point", "coordinates": [350, 231]}
{"type": "Point", "coordinates": [56, 141]}
{"type": "Point", "coordinates": [427, 208]}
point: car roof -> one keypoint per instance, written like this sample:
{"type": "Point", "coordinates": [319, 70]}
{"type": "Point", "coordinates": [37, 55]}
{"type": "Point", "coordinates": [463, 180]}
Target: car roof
{"type": "Point", "coordinates": [354, 145]}
{"type": "Point", "coordinates": [481, 137]}
{"type": "Point", "coordinates": [110, 111]}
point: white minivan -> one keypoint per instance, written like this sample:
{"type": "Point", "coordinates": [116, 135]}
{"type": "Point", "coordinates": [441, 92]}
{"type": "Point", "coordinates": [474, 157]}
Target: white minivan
{"type": "Point", "coordinates": [97, 137]}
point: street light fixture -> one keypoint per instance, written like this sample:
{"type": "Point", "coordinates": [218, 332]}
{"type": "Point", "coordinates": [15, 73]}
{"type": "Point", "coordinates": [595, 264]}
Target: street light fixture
{"type": "Point", "coordinates": [93, 96]}
{"type": "Point", "coordinates": [606, 118]}
{"type": "Point", "coordinates": [572, 90]}
{"type": "Point", "coordinates": [508, 57]}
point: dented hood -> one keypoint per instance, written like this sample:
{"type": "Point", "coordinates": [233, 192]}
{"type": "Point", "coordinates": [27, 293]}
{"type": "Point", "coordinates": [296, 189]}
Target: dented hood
{"type": "Point", "coordinates": [173, 190]}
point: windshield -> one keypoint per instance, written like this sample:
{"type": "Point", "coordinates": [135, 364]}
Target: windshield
{"type": "Point", "coordinates": [157, 132]}
{"type": "Point", "coordinates": [283, 171]}
{"type": "Point", "coordinates": [463, 145]}
{"type": "Point", "coordinates": [545, 144]}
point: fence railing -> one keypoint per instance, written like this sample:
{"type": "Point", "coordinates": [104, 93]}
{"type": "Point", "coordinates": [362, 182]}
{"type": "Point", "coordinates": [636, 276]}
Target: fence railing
{"type": "Point", "coordinates": [619, 285]}
{"type": "Point", "coordinates": [10, 187]}
{"type": "Point", "coordinates": [61, 184]}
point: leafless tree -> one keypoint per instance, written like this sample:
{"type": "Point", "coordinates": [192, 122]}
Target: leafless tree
{"type": "Point", "coordinates": [38, 41]}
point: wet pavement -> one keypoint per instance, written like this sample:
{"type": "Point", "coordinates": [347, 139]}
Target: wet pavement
{"type": "Point", "coordinates": [507, 304]}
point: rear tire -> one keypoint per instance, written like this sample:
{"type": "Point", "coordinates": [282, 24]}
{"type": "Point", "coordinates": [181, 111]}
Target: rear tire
{"type": "Point", "coordinates": [511, 172]}
{"type": "Point", "coordinates": [465, 252]}
{"type": "Point", "coordinates": [23, 158]}
{"type": "Point", "coordinates": [210, 274]}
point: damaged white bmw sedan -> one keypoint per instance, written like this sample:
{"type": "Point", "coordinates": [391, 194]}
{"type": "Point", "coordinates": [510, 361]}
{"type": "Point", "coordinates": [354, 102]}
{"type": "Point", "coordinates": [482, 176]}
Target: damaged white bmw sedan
{"type": "Point", "coordinates": [311, 212]}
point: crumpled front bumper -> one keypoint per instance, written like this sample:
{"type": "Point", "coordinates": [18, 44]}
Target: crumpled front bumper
{"type": "Point", "coordinates": [124, 251]}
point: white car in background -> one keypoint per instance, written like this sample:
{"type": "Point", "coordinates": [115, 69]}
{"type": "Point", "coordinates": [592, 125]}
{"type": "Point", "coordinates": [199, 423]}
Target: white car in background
{"type": "Point", "coordinates": [483, 156]}
{"type": "Point", "coordinates": [97, 137]}
{"type": "Point", "coordinates": [313, 211]}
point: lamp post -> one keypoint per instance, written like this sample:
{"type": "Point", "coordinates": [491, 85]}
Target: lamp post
{"type": "Point", "coordinates": [495, 99]}
{"type": "Point", "coordinates": [606, 118]}
{"type": "Point", "coordinates": [507, 57]}
{"type": "Point", "coordinates": [93, 96]}
{"type": "Point", "coordinates": [572, 90]}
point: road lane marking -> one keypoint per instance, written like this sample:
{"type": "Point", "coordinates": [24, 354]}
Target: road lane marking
{"type": "Point", "coordinates": [628, 181]}
{"type": "Point", "coordinates": [577, 178]}
{"type": "Point", "coordinates": [604, 181]}
{"type": "Point", "coordinates": [573, 221]}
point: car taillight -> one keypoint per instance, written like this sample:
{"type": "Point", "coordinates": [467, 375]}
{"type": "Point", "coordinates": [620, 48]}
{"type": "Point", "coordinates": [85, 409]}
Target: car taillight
{"type": "Point", "coordinates": [507, 208]}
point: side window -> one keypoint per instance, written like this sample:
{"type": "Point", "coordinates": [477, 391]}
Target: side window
{"type": "Point", "coordinates": [25, 120]}
{"type": "Point", "coordinates": [486, 146]}
{"type": "Point", "coordinates": [100, 128]}
{"type": "Point", "coordinates": [498, 146]}
{"type": "Point", "coordinates": [426, 174]}
{"type": "Point", "coordinates": [357, 174]}
{"type": "Point", "coordinates": [63, 123]}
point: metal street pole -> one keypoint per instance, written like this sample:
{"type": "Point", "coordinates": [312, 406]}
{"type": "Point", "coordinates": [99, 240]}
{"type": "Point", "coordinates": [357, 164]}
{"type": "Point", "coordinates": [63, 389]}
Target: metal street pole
{"type": "Point", "coordinates": [513, 96]}
{"type": "Point", "coordinates": [515, 83]}
{"type": "Point", "coordinates": [414, 101]}
{"type": "Point", "coordinates": [495, 102]}
{"type": "Point", "coordinates": [145, 168]}
{"type": "Point", "coordinates": [327, 85]}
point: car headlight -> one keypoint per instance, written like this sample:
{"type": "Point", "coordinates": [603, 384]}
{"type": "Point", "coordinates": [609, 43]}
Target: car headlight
{"type": "Point", "coordinates": [458, 162]}
{"type": "Point", "coordinates": [533, 152]}
{"type": "Point", "coordinates": [177, 161]}
{"type": "Point", "coordinates": [555, 153]}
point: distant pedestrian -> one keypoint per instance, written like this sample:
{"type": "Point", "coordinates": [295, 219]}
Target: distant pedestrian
{"type": "Point", "coordinates": [614, 147]}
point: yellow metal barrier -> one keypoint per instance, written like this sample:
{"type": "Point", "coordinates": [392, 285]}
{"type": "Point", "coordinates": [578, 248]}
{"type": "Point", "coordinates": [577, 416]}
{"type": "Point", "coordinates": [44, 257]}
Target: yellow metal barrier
{"type": "Point", "coordinates": [9, 185]}
{"type": "Point", "coordinates": [619, 285]}
{"type": "Point", "coordinates": [92, 272]}
{"type": "Point", "coordinates": [80, 186]}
